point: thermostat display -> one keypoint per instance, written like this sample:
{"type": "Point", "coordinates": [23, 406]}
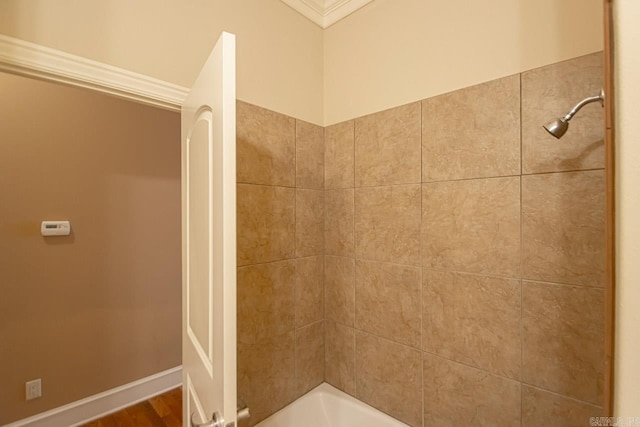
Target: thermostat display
{"type": "Point", "coordinates": [55, 228]}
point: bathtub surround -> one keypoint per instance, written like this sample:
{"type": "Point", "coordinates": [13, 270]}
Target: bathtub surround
{"type": "Point", "coordinates": [464, 254]}
{"type": "Point", "coordinates": [281, 334]}
{"type": "Point", "coordinates": [441, 261]}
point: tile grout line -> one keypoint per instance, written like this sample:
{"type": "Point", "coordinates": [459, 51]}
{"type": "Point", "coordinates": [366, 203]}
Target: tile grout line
{"type": "Point", "coordinates": [377, 336]}
{"type": "Point", "coordinates": [295, 251]}
{"type": "Point", "coordinates": [469, 273]}
{"type": "Point", "coordinates": [353, 230]}
{"type": "Point", "coordinates": [476, 178]}
{"type": "Point", "coordinates": [521, 262]}
{"type": "Point", "coordinates": [563, 171]}
{"type": "Point", "coordinates": [562, 396]}
{"type": "Point", "coordinates": [421, 255]}
{"type": "Point", "coordinates": [324, 249]}
{"type": "Point", "coordinates": [355, 364]}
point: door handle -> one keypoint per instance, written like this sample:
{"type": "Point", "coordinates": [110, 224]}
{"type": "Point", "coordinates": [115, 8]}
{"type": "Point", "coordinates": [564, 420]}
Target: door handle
{"type": "Point", "coordinates": [216, 421]}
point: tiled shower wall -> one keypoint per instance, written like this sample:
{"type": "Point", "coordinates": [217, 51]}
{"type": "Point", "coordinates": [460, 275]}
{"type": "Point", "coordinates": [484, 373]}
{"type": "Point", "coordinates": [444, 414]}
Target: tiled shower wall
{"type": "Point", "coordinates": [464, 254]}
{"type": "Point", "coordinates": [458, 247]}
{"type": "Point", "coordinates": [280, 175]}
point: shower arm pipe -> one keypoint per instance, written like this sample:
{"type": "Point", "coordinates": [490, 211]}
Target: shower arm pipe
{"type": "Point", "coordinates": [578, 107]}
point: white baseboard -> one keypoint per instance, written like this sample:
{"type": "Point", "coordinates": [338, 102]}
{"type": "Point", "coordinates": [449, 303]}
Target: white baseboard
{"type": "Point", "coordinates": [98, 405]}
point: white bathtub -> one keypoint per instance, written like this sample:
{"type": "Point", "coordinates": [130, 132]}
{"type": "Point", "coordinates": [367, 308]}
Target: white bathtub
{"type": "Point", "coordinates": [326, 406]}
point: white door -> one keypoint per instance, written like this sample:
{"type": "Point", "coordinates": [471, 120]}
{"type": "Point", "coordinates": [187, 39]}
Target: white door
{"type": "Point", "coordinates": [209, 242]}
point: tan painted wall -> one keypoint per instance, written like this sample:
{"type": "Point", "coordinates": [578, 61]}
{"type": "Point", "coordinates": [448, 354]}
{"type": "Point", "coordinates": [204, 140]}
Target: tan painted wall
{"type": "Point", "coordinates": [279, 51]}
{"type": "Point", "coordinates": [387, 54]}
{"type": "Point", "coordinates": [99, 308]}
{"type": "Point", "coordinates": [627, 69]}
{"type": "Point", "coordinates": [393, 52]}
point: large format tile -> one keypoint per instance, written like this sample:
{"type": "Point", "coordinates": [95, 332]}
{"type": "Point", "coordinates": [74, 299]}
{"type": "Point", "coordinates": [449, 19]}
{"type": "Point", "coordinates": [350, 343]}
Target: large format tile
{"type": "Point", "coordinates": [387, 224]}
{"type": "Point", "coordinates": [473, 319]}
{"type": "Point", "coordinates": [339, 289]}
{"type": "Point", "coordinates": [472, 132]}
{"type": "Point", "coordinates": [266, 223]}
{"type": "Point", "coordinates": [563, 228]}
{"type": "Point", "coordinates": [309, 155]}
{"type": "Point", "coordinates": [458, 395]}
{"type": "Point", "coordinates": [549, 93]}
{"type": "Point", "coordinates": [339, 166]}
{"type": "Point", "coordinates": [541, 408]}
{"type": "Point", "coordinates": [309, 222]}
{"type": "Point", "coordinates": [389, 377]}
{"type": "Point", "coordinates": [340, 360]}
{"type": "Point", "coordinates": [265, 300]}
{"type": "Point", "coordinates": [338, 222]}
{"type": "Point", "coordinates": [266, 375]}
{"type": "Point", "coordinates": [388, 301]}
{"type": "Point", "coordinates": [472, 226]}
{"type": "Point", "coordinates": [387, 147]}
{"type": "Point", "coordinates": [309, 357]}
{"type": "Point", "coordinates": [563, 339]}
{"type": "Point", "coordinates": [265, 146]}
{"type": "Point", "coordinates": [309, 292]}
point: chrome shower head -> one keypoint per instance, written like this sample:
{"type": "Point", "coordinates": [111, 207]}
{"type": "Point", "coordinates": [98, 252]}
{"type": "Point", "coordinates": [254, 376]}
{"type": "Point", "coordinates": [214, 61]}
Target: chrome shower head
{"type": "Point", "coordinates": [557, 127]}
{"type": "Point", "coordinates": [560, 126]}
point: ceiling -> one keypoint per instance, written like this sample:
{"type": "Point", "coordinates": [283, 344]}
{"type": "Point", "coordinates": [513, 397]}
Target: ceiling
{"type": "Point", "coordinates": [326, 12]}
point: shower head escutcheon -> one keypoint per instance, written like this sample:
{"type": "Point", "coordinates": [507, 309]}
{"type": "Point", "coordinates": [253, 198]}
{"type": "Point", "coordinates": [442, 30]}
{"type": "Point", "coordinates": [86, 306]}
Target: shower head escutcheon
{"type": "Point", "coordinates": [560, 126]}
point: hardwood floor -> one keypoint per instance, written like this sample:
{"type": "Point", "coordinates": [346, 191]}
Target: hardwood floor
{"type": "Point", "coordinates": [159, 411]}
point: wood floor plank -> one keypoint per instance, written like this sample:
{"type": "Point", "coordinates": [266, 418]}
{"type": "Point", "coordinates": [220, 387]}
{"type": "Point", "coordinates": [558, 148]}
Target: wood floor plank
{"type": "Point", "coordinates": [160, 406]}
{"type": "Point", "coordinates": [172, 421]}
{"type": "Point", "coordinates": [173, 399]}
{"type": "Point", "coordinates": [122, 419]}
{"type": "Point", "coordinates": [108, 421]}
{"type": "Point", "coordinates": [144, 416]}
{"type": "Point", "coordinates": [152, 414]}
{"type": "Point", "coordinates": [164, 410]}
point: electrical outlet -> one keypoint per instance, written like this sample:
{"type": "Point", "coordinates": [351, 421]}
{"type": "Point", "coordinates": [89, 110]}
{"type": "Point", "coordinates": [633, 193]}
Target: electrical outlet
{"type": "Point", "coordinates": [34, 389]}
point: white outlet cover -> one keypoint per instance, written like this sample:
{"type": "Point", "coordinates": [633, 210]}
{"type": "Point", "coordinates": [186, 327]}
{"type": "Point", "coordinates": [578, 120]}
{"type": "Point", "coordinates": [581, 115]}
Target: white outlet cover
{"type": "Point", "coordinates": [34, 389]}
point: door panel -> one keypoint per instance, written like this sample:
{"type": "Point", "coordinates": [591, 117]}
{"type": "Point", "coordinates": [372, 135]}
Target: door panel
{"type": "Point", "coordinates": [199, 240]}
{"type": "Point", "coordinates": [209, 240]}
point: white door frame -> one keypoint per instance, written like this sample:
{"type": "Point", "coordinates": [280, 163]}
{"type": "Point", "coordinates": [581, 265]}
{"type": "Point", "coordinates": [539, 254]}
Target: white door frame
{"type": "Point", "coordinates": [33, 60]}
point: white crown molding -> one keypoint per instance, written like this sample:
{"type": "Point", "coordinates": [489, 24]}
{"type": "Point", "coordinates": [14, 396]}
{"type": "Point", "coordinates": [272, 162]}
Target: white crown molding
{"type": "Point", "coordinates": [99, 405]}
{"type": "Point", "coordinates": [29, 59]}
{"type": "Point", "coordinates": [326, 12]}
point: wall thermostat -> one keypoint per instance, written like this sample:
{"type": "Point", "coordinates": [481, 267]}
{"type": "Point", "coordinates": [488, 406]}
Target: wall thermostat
{"type": "Point", "coordinates": [55, 228]}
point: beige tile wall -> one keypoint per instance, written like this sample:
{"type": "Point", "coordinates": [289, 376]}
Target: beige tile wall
{"type": "Point", "coordinates": [464, 254]}
{"type": "Point", "coordinates": [442, 261]}
{"type": "Point", "coordinates": [281, 328]}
